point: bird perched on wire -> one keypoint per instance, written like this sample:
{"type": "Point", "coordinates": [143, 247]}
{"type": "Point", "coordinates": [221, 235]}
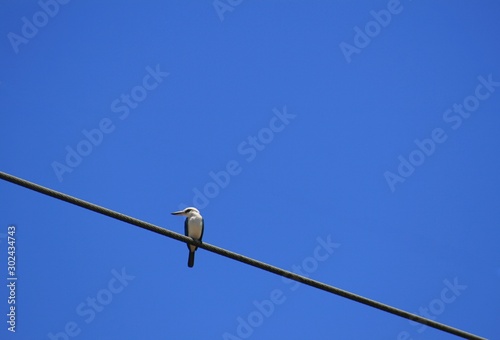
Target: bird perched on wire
{"type": "Point", "coordinates": [193, 227]}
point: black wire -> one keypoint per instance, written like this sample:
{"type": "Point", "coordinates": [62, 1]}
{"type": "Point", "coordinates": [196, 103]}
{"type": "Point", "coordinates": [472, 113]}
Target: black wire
{"type": "Point", "coordinates": [237, 257]}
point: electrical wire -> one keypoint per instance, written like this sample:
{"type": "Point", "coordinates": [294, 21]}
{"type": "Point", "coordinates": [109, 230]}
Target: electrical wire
{"type": "Point", "coordinates": [237, 257]}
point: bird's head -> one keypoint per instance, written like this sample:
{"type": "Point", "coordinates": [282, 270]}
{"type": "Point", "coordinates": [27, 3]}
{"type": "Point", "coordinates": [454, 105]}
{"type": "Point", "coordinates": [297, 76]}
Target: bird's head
{"type": "Point", "coordinates": [189, 211]}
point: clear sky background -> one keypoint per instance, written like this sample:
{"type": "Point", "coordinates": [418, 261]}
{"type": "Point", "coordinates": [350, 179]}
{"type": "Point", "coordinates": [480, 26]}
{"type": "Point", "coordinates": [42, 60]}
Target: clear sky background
{"type": "Point", "coordinates": [354, 142]}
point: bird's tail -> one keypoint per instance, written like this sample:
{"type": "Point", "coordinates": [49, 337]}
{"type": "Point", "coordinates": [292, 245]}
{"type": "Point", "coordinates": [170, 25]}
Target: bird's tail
{"type": "Point", "coordinates": [191, 259]}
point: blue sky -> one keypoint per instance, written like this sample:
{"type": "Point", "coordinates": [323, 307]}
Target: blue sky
{"type": "Point", "coordinates": [354, 142]}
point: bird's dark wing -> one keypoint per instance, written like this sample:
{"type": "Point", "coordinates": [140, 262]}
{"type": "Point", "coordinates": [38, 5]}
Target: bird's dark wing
{"type": "Point", "coordinates": [202, 228]}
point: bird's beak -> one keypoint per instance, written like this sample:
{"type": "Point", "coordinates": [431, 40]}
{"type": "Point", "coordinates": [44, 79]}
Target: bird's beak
{"type": "Point", "coordinates": [178, 212]}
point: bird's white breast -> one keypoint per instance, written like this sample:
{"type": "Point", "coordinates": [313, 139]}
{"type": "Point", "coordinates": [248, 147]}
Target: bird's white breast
{"type": "Point", "coordinates": [195, 225]}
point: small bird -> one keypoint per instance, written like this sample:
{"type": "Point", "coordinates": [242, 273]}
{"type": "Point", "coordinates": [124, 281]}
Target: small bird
{"type": "Point", "coordinates": [193, 227]}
